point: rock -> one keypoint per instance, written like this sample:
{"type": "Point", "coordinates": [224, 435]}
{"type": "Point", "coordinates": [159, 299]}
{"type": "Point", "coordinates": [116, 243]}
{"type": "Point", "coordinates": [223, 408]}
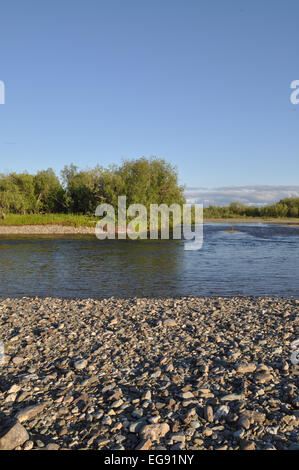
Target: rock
{"type": "Point", "coordinates": [80, 364]}
{"type": "Point", "coordinates": [117, 403]}
{"type": "Point", "coordinates": [107, 420]}
{"type": "Point", "coordinates": [187, 395]}
{"type": "Point", "coordinates": [208, 414]}
{"type": "Point", "coordinates": [51, 446]}
{"type": "Point", "coordinates": [295, 358]}
{"type": "Point", "coordinates": [155, 432]}
{"type": "Point", "coordinates": [29, 412]}
{"type": "Point", "coordinates": [18, 360]}
{"type": "Point", "coordinates": [15, 436]}
{"type": "Point", "coordinates": [221, 412]}
{"type": "Point", "coordinates": [11, 397]}
{"type": "Point", "coordinates": [177, 437]}
{"type": "Point", "coordinates": [257, 417]}
{"type": "Point", "coordinates": [263, 377]}
{"type": "Point", "coordinates": [195, 424]}
{"type": "Point", "coordinates": [243, 368]}
{"type": "Point", "coordinates": [244, 421]}
{"type": "Point", "coordinates": [144, 445]}
{"type": "Point", "coordinates": [147, 396]}
{"type": "Point", "coordinates": [247, 445]}
{"type": "Point", "coordinates": [28, 445]}
{"type": "Point", "coordinates": [232, 397]}
{"type": "Point", "coordinates": [262, 368]}
{"type": "Point", "coordinates": [136, 427]}
{"type": "Point", "coordinates": [14, 389]}
{"type": "Point", "coordinates": [170, 322]}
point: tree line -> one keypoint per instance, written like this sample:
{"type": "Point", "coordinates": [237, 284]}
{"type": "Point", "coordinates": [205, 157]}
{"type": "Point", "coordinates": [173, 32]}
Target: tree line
{"type": "Point", "coordinates": [288, 207]}
{"type": "Point", "coordinates": [143, 181]}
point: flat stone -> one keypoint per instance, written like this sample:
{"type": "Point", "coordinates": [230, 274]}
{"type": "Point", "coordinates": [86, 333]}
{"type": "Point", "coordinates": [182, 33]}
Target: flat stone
{"type": "Point", "coordinates": [244, 368]}
{"type": "Point", "coordinates": [232, 397]}
{"type": "Point", "coordinates": [14, 437]}
{"type": "Point", "coordinates": [17, 360]}
{"type": "Point", "coordinates": [263, 377]}
{"type": "Point", "coordinates": [155, 432]}
{"type": "Point", "coordinates": [80, 364]}
{"type": "Point", "coordinates": [170, 322]}
{"type": "Point", "coordinates": [29, 412]}
{"type": "Point", "coordinates": [14, 389]}
{"type": "Point", "coordinates": [208, 413]}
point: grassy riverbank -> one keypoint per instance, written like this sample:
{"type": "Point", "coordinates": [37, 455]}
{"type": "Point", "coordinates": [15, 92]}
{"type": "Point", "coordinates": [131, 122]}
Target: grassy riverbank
{"type": "Point", "coordinates": [73, 220]}
{"type": "Point", "coordinates": [66, 220]}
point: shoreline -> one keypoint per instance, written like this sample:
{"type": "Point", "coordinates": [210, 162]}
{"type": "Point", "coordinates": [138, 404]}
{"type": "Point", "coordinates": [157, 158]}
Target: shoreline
{"type": "Point", "coordinates": [190, 373]}
{"type": "Point", "coordinates": [57, 229]}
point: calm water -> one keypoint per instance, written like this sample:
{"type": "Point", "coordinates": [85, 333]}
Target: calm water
{"type": "Point", "coordinates": [257, 260]}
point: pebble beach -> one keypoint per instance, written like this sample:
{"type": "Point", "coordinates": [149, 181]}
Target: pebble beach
{"type": "Point", "coordinates": [164, 374]}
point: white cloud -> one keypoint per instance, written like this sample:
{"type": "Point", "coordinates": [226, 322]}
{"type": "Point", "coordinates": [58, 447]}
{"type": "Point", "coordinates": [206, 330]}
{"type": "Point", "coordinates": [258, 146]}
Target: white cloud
{"type": "Point", "coordinates": [250, 195]}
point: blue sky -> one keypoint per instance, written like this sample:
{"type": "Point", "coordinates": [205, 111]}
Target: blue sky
{"type": "Point", "coordinates": [203, 84]}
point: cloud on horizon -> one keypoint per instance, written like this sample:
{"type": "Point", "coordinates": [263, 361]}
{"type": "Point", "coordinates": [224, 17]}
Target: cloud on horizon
{"type": "Point", "coordinates": [250, 195]}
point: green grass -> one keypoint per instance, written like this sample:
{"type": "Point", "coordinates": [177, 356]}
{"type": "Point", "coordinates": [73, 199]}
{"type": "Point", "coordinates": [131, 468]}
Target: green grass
{"type": "Point", "coordinates": [70, 220]}
{"type": "Point", "coordinates": [73, 220]}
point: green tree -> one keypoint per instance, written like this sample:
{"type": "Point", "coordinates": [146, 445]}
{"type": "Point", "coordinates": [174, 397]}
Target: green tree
{"type": "Point", "coordinates": [48, 191]}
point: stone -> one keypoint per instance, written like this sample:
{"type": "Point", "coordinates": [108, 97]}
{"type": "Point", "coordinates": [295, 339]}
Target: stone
{"type": "Point", "coordinates": [232, 397]}
{"type": "Point", "coordinates": [51, 446]}
{"type": "Point", "coordinates": [144, 445]}
{"type": "Point", "coordinates": [28, 445]}
{"type": "Point", "coordinates": [17, 360]}
{"type": "Point", "coordinates": [155, 432]}
{"type": "Point", "coordinates": [147, 396]}
{"type": "Point", "coordinates": [80, 364]}
{"type": "Point", "coordinates": [195, 424]}
{"type": "Point", "coordinates": [244, 421]}
{"type": "Point", "coordinates": [244, 368]}
{"type": "Point", "coordinates": [187, 395]}
{"type": "Point", "coordinates": [247, 445]}
{"type": "Point", "coordinates": [263, 377]}
{"type": "Point", "coordinates": [117, 403]}
{"type": "Point", "coordinates": [208, 413]}
{"type": "Point", "coordinates": [170, 322]}
{"type": "Point", "coordinates": [221, 412]}
{"type": "Point", "coordinates": [14, 389]}
{"type": "Point", "coordinates": [29, 412]}
{"type": "Point", "coordinates": [15, 436]}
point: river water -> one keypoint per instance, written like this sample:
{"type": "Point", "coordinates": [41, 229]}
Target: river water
{"type": "Point", "coordinates": [257, 260]}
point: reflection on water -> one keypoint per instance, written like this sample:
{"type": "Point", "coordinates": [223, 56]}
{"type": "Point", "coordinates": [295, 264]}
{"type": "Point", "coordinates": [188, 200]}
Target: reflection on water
{"type": "Point", "coordinates": [256, 259]}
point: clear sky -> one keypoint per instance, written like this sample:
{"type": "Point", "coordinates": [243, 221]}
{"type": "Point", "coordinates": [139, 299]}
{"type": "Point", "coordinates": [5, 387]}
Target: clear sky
{"type": "Point", "coordinates": [204, 84]}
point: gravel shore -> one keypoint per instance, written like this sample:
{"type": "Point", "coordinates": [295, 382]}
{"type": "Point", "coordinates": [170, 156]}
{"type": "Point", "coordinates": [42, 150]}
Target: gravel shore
{"type": "Point", "coordinates": [188, 373]}
{"type": "Point", "coordinates": [44, 230]}
{"type": "Point", "coordinates": [64, 230]}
